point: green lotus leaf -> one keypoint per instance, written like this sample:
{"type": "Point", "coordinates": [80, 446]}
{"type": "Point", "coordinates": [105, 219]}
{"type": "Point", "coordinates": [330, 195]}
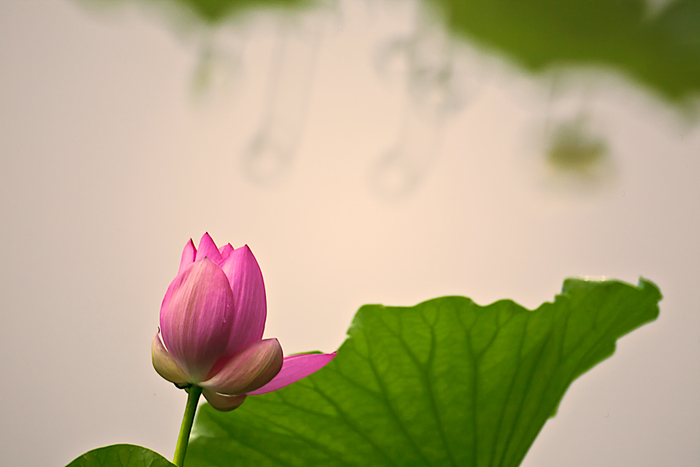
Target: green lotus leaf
{"type": "Point", "coordinates": [446, 382]}
{"type": "Point", "coordinates": [121, 455]}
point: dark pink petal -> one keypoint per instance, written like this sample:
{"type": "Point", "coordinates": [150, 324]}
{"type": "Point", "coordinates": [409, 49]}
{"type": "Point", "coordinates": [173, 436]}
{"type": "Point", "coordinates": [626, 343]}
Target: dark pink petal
{"type": "Point", "coordinates": [294, 368]}
{"type": "Point", "coordinates": [207, 249]}
{"type": "Point", "coordinates": [164, 364]}
{"type": "Point", "coordinates": [248, 288]}
{"type": "Point", "coordinates": [249, 370]}
{"type": "Point", "coordinates": [223, 402]}
{"type": "Point", "coordinates": [197, 318]}
{"type": "Point", "coordinates": [225, 251]}
{"type": "Point", "coordinates": [188, 255]}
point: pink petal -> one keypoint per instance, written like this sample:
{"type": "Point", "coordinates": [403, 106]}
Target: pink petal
{"type": "Point", "coordinates": [207, 249]}
{"type": "Point", "coordinates": [197, 318]}
{"type": "Point", "coordinates": [250, 304]}
{"type": "Point", "coordinates": [223, 402]}
{"type": "Point", "coordinates": [164, 364]}
{"type": "Point", "coordinates": [188, 255]}
{"type": "Point", "coordinates": [294, 368]}
{"type": "Point", "coordinates": [225, 251]}
{"type": "Point", "coordinates": [249, 370]}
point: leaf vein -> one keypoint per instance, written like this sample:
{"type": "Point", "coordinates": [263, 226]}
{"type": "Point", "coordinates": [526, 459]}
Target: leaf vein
{"type": "Point", "coordinates": [530, 376]}
{"type": "Point", "coordinates": [431, 392]}
{"type": "Point", "coordinates": [387, 400]}
{"type": "Point", "coordinates": [344, 417]}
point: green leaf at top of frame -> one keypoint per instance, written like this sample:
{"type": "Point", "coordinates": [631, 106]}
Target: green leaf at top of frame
{"type": "Point", "coordinates": [444, 383]}
{"type": "Point", "coordinates": [121, 455]}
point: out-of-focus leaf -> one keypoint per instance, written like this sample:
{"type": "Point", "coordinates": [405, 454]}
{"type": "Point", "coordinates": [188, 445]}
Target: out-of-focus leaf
{"type": "Point", "coordinates": [660, 49]}
{"type": "Point", "coordinates": [215, 11]}
{"type": "Point", "coordinates": [446, 382]}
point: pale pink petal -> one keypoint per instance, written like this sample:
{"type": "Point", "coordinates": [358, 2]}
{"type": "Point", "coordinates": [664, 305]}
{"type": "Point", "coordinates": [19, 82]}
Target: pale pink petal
{"type": "Point", "coordinates": [250, 305]}
{"type": "Point", "coordinates": [164, 364]}
{"type": "Point", "coordinates": [223, 402]}
{"type": "Point", "coordinates": [207, 249]}
{"type": "Point", "coordinates": [294, 368]}
{"type": "Point", "coordinates": [188, 255]}
{"type": "Point", "coordinates": [249, 370]}
{"type": "Point", "coordinates": [197, 318]}
{"type": "Point", "coordinates": [225, 251]}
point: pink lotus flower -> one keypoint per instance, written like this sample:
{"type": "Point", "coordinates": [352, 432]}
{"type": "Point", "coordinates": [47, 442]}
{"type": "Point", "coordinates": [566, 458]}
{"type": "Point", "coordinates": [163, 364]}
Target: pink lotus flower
{"type": "Point", "coordinates": [211, 327]}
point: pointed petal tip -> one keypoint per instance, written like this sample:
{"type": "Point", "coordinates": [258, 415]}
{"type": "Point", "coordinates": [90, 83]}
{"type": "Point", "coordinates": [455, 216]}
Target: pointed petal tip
{"type": "Point", "coordinates": [226, 251]}
{"type": "Point", "coordinates": [295, 368]}
{"type": "Point", "coordinates": [207, 248]}
{"type": "Point", "coordinates": [189, 253]}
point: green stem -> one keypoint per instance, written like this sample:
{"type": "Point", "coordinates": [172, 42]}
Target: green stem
{"type": "Point", "coordinates": [187, 419]}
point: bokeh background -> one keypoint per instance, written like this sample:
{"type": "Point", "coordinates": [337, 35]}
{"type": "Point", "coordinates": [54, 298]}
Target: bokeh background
{"type": "Point", "coordinates": [368, 151]}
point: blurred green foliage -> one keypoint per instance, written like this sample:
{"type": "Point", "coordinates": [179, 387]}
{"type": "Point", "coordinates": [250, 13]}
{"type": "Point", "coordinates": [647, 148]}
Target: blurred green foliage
{"type": "Point", "coordinates": [574, 149]}
{"type": "Point", "coordinates": [215, 11]}
{"type": "Point", "coordinates": [660, 49]}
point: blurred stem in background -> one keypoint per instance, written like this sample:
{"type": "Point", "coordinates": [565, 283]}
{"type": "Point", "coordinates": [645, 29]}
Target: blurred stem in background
{"type": "Point", "coordinates": [288, 92]}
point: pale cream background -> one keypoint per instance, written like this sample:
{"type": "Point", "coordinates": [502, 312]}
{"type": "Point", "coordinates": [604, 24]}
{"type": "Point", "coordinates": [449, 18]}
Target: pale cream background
{"type": "Point", "coordinates": [110, 161]}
